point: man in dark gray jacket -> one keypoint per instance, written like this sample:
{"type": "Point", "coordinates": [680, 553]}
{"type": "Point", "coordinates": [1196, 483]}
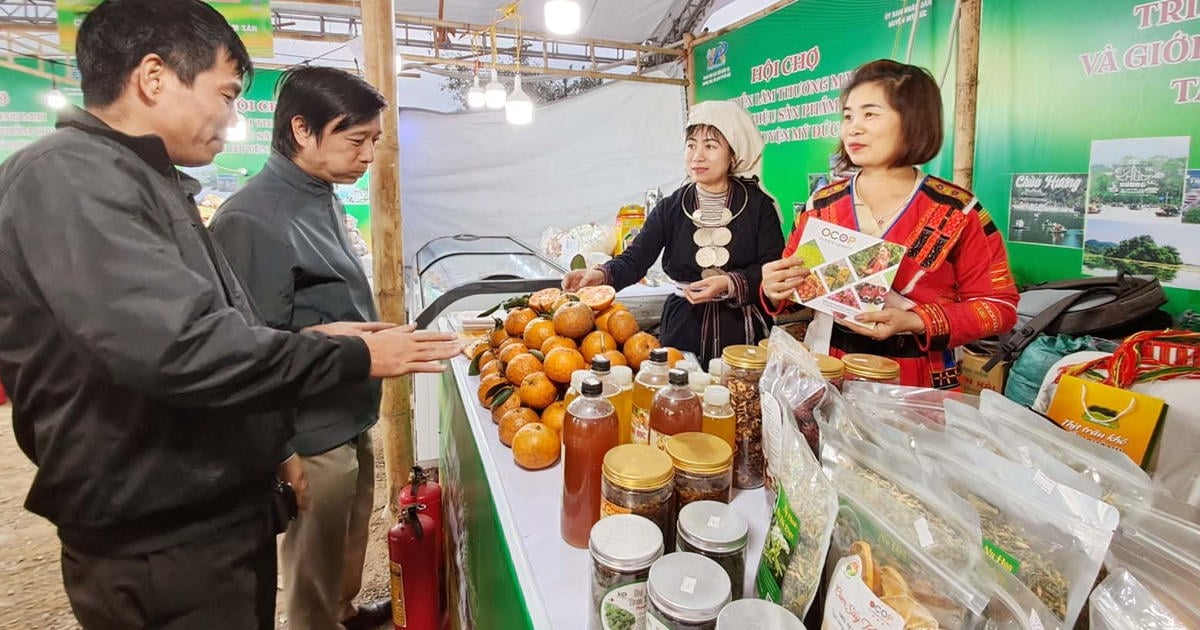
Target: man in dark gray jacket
{"type": "Point", "coordinates": [144, 387]}
{"type": "Point", "coordinates": [285, 236]}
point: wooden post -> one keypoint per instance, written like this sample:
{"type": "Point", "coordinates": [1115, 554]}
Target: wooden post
{"type": "Point", "coordinates": [395, 412]}
{"type": "Point", "coordinates": [967, 86]}
{"type": "Point", "coordinates": [689, 68]}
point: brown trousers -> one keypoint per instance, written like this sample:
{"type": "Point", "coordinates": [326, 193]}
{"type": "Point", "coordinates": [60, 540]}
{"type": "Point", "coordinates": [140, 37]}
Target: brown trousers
{"type": "Point", "coordinates": [323, 551]}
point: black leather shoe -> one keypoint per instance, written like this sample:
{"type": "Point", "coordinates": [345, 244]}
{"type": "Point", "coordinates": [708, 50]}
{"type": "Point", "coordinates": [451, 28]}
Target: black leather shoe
{"type": "Point", "coordinates": [370, 615]}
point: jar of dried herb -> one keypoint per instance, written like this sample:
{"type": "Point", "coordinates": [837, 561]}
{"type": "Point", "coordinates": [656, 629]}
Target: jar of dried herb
{"type": "Point", "coordinates": [871, 368]}
{"type": "Point", "coordinates": [757, 613]}
{"type": "Point", "coordinates": [744, 368]}
{"type": "Point", "coordinates": [687, 591]}
{"type": "Point", "coordinates": [703, 468]}
{"type": "Point", "coordinates": [639, 479]}
{"type": "Point", "coordinates": [623, 548]}
{"type": "Point", "coordinates": [719, 533]}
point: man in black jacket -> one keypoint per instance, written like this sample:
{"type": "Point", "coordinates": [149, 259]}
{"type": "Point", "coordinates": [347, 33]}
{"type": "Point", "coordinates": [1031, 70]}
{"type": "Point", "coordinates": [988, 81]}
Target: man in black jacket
{"type": "Point", "coordinates": [144, 387]}
{"type": "Point", "coordinates": [285, 236]}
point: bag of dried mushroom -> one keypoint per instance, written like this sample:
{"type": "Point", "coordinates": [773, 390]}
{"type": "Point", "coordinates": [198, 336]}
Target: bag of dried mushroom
{"type": "Point", "coordinates": [789, 570]}
{"type": "Point", "coordinates": [1051, 537]}
{"type": "Point", "coordinates": [918, 544]}
{"type": "Point", "coordinates": [1112, 470]}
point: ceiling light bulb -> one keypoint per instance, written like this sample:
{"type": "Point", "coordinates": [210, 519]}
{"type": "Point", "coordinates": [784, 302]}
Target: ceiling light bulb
{"type": "Point", "coordinates": [238, 132]}
{"type": "Point", "coordinates": [519, 109]}
{"type": "Point", "coordinates": [476, 97]}
{"type": "Point", "coordinates": [562, 16]}
{"type": "Point", "coordinates": [55, 99]}
{"type": "Point", "coordinates": [399, 62]}
{"type": "Point", "coordinates": [495, 94]}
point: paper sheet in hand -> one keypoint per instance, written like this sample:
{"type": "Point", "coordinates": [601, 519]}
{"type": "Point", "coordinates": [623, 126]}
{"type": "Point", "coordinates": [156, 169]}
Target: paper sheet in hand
{"type": "Point", "coordinates": [852, 273]}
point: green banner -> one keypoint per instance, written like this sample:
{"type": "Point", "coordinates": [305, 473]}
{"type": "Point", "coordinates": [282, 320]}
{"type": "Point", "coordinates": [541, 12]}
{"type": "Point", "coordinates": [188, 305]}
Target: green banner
{"type": "Point", "coordinates": [788, 68]}
{"type": "Point", "coordinates": [250, 18]}
{"type": "Point", "coordinates": [1084, 152]}
{"type": "Point", "coordinates": [25, 115]}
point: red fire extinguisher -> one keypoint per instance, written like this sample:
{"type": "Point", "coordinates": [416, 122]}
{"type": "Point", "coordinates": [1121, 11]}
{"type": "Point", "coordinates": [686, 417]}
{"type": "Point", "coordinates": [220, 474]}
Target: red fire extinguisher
{"type": "Point", "coordinates": [415, 583]}
{"type": "Point", "coordinates": [421, 491]}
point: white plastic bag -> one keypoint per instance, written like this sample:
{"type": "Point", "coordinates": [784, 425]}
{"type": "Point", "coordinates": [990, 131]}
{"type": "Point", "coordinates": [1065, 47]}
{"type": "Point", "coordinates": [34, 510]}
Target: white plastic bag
{"type": "Point", "coordinates": [1112, 470]}
{"type": "Point", "coordinates": [1121, 602]}
{"type": "Point", "coordinates": [909, 506]}
{"type": "Point", "coordinates": [789, 569]}
{"type": "Point", "coordinates": [1051, 537]}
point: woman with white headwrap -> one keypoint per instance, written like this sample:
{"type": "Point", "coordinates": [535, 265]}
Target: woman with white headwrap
{"type": "Point", "coordinates": [715, 233]}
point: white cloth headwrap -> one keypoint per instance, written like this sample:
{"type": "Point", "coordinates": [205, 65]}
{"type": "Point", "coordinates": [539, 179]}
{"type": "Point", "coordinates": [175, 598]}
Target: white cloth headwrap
{"type": "Point", "coordinates": [739, 130]}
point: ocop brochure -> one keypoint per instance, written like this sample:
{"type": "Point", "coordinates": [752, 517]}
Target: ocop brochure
{"type": "Point", "coordinates": [852, 272]}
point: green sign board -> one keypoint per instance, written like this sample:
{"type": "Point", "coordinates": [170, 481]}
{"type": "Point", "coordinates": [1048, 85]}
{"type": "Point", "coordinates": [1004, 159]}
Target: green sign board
{"type": "Point", "coordinates": [250, 18]}
{"type": "Point", "coordinates": [1084, 152]}
{"type": "Point", "coordinates": [787, 70]}
{"type": "Point", "coordinates": [24, 114]}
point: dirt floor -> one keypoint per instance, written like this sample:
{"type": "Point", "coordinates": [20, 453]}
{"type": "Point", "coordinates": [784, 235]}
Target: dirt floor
{"type": "Point", "coordinates": [31, 593]}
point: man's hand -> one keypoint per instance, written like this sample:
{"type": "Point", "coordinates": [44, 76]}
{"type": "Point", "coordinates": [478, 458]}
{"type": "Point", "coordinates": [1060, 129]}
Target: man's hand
{"type": "Point", "coordinates": [579, 278]}
{"type": "Point", "coordinates": [405, 350]}
{"type": "Point", "coordinates": [708, 290]}
{"type": "Point", "coordinates": [780, 278]}
{"type": "Point", "coordinates": [291, 472]}
{"type": "Point", "coordinates": [350, 329]}
{"type": "Point", "coordinates": [888, 322]}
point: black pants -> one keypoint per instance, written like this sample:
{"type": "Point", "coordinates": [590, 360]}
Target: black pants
{"type": "Point", "coordinates": [226, 581]}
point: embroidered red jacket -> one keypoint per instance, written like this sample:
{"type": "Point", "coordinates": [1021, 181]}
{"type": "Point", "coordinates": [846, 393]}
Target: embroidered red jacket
{"type": "Point", "coordinates": [956, 271]}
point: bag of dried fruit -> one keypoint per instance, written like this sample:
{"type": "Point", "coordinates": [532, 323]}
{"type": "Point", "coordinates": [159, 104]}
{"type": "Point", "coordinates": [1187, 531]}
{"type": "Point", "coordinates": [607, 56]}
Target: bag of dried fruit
{"type": "Point", "coordinates": [1053, 538]}
{"type": "Point", "coordinates": [1116, 474]}
{"type": "Point", "coordinates": [789, 570]}
{"type": "Point", "coordinates": [918, 543]}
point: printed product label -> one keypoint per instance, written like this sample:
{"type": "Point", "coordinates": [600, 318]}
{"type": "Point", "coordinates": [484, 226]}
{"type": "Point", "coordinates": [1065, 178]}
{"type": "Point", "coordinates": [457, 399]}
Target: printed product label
{"type": "Point", "coordinates": [399, 618]}
{"type": "Point", "coordinates": [624, 607]}
{"type": "Point", "coordinates": [658, 440]}
{"type": "Point", "coordinates": [608, 508]}
{"type": "Point", "coordinates": [641, 425]}
{"type": "Point", "coordinates": [851, 605]}
{"type": "Point", "coordinates": [778, 549]}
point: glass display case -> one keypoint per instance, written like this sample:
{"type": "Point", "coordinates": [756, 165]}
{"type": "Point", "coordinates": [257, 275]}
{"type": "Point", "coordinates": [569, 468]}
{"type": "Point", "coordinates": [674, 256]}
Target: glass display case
{"type": "Point", "coordinates": [464, 272]}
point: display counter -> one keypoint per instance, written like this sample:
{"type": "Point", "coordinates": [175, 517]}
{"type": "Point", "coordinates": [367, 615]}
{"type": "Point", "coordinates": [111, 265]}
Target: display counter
{"type": "Point", "coordinates": [508, 566]}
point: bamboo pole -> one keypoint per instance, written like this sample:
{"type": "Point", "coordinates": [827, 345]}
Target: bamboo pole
{"type": "Point", "coordinates": [466, 27]}
{"type": "Point", "coordinates": [689, 67]}
{"type": "Point", "coordinates": [395, 412]}
{"type": "Point", "coordinates": [967, 86]}
{"type": "Point", "coordinates": [561, 72]}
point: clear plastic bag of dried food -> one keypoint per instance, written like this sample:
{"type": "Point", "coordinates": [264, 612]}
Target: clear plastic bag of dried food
{"type": "Point", "coordinates": [918, 404]}
{"type": "Point", "coordinates": [901, 579]}
{"type": "Point", "coordinates": [969, 424]}
{"type": "Point", "coordinates": [794, 380]}
{"type": "Point", "coordinates": [919, 507]}
{"type": "Point", "coordinates": [1014, 606]}
{"type": "Point", "coordinates": [789, 569]}
{"type": "Point", "coordinates": [1053, 538]}
{"type": "Point", "coordinates": [1121, 602]}
{"type": "Point", "coordinates": [1112, 470]}
{"type": "Point", "coordinates": [1163, 553]}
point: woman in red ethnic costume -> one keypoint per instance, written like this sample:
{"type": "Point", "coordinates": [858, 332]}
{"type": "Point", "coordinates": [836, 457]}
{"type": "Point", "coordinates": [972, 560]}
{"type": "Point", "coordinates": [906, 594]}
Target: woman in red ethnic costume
{"type": "Point", "coordinates": [954, 285]}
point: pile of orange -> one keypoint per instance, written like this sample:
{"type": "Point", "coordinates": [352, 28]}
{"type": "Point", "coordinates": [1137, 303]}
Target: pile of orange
{"type": "Point", "coordinates": [525, 364]}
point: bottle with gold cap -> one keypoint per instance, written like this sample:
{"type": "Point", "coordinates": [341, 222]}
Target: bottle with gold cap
{"type": "Point", "coordinates": [639, 479]}
{"type": "Point", "coordinates": [871, 368]}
